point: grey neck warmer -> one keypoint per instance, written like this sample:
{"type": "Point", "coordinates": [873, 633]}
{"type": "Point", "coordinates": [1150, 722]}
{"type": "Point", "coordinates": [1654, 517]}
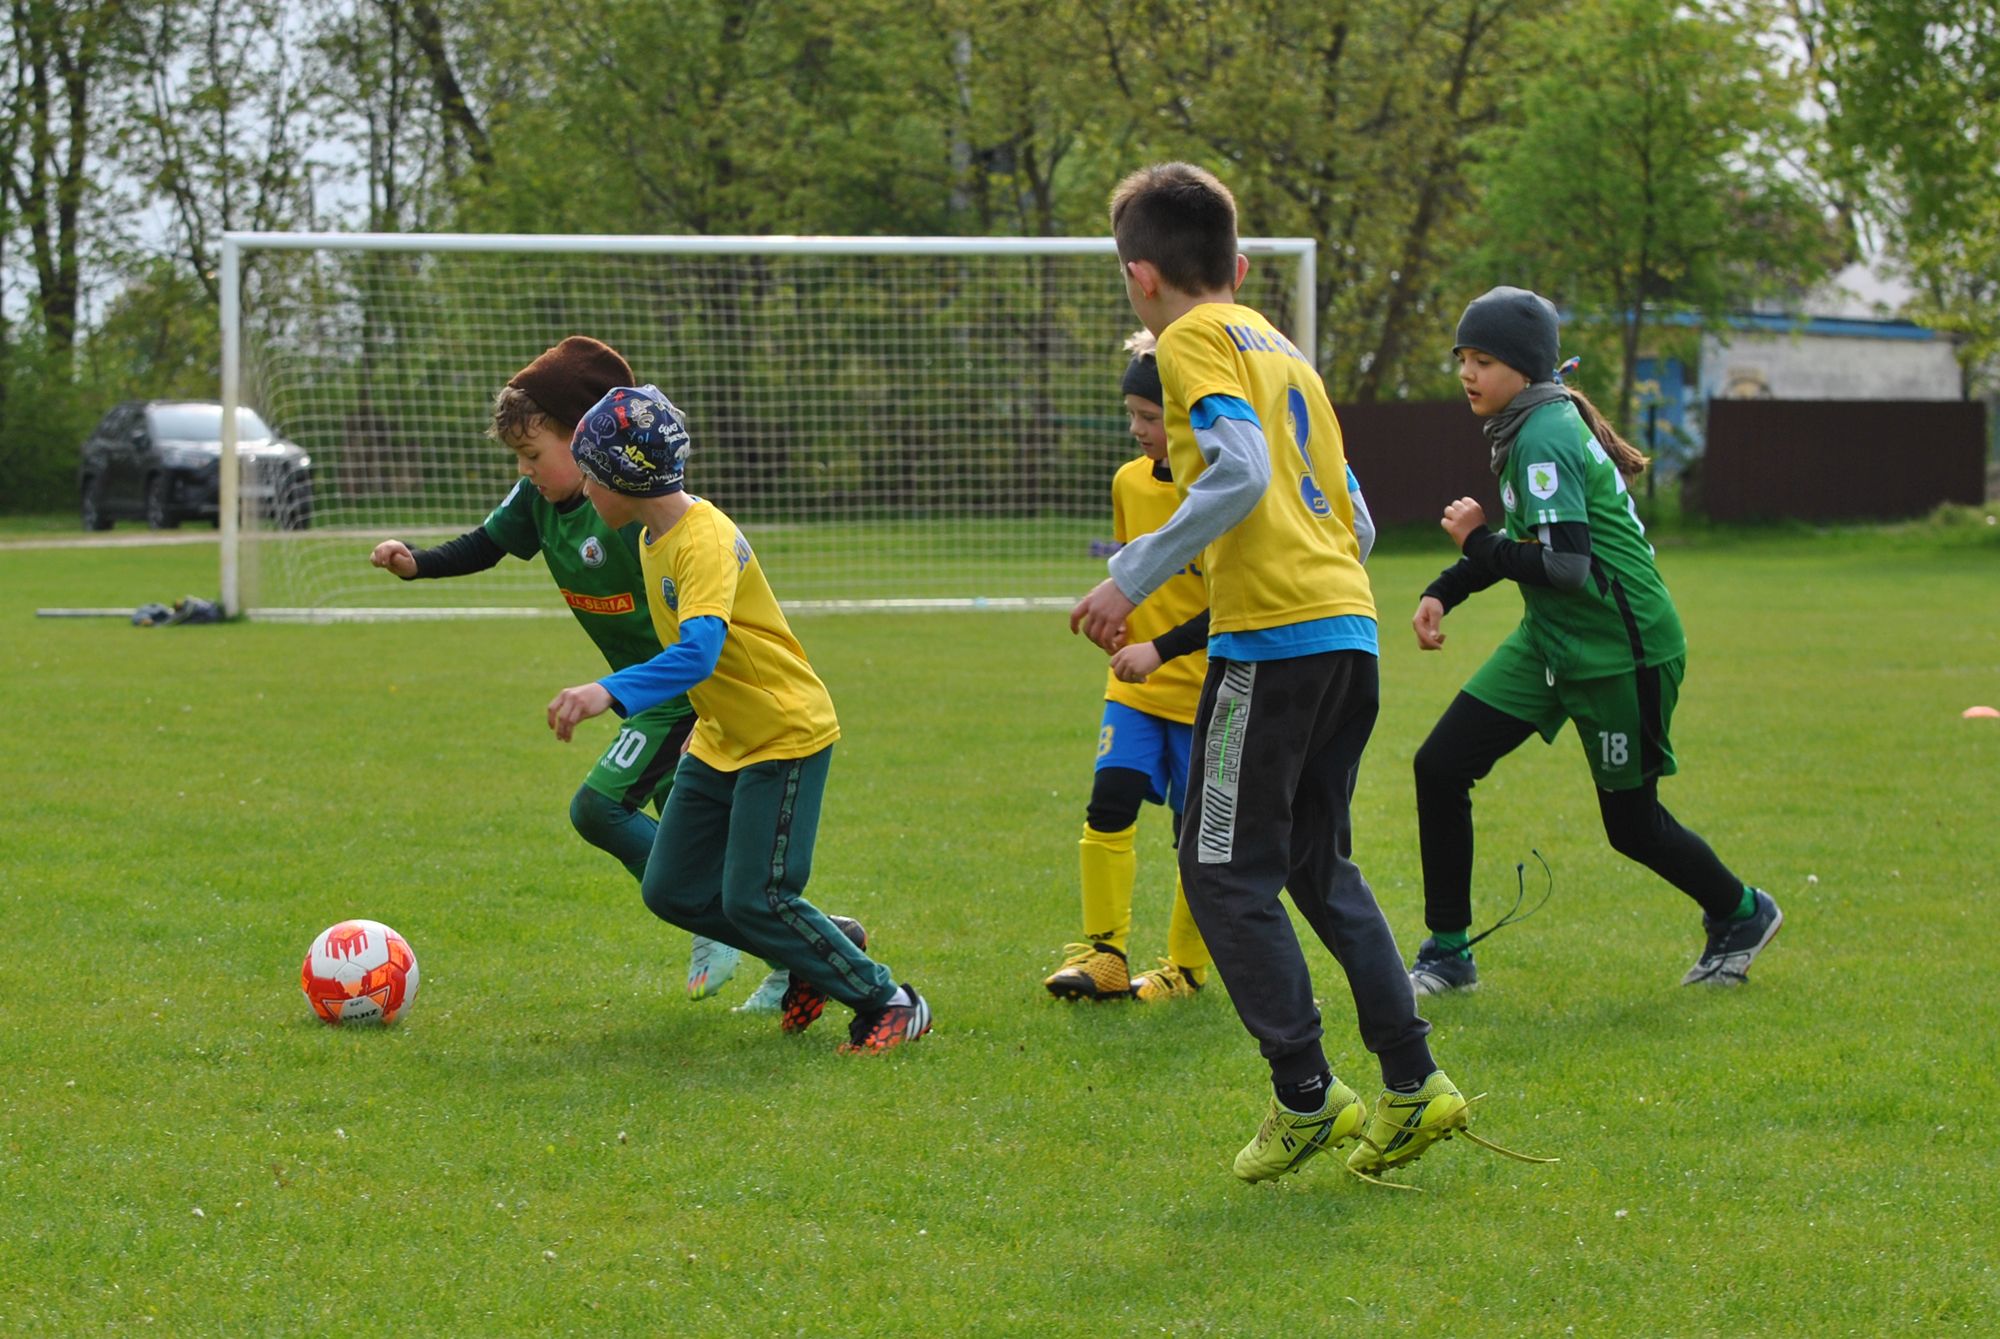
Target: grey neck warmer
{"type": "Point", "coordinates": [1504, 426]}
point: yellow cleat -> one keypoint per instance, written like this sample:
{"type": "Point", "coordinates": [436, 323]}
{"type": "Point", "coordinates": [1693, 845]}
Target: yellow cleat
{"type": "Point", "coordinates": [1091, 972]}
{"type": "Point", "coordinates": [1286, 1138]}
{"type": "Point", "coordinates": [1168, 981]}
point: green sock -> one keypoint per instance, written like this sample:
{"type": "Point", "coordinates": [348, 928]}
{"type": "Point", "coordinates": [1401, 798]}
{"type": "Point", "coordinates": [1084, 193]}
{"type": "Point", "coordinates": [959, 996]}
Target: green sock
{"type": "Point", "coordinates": [1452, 941]}
{"type": "Point", "coordinates": [1747, 907]}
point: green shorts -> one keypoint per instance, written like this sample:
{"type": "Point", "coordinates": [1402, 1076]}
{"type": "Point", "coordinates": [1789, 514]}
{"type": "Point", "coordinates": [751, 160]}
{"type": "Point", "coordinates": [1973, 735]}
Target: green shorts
{"type": "Point", "coordinates": [1621, 719]}
{"type": "Point", "coordinates": [638, 768]}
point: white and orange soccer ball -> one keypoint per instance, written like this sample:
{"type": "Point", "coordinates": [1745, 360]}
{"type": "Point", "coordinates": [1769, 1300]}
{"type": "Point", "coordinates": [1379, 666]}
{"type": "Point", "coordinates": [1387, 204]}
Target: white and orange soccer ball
{"type": "Point", "coordinates": [359, 972]}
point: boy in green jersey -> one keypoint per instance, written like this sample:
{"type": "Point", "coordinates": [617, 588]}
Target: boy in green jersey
{"type": "Point", "coordinates": [596, 569]}
{"type": "Point", "coordinates": [1599, 643]}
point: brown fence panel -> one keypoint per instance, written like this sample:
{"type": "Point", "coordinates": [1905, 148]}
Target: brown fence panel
{"type": "Point", "coordinates": [1413, 457]}
{"type": "Point", "coordinates": [1838, 460]}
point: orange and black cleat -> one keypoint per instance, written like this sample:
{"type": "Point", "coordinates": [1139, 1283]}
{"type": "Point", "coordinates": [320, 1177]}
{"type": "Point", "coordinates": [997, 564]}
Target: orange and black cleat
{"type": "Point", "coordinates": [804, 1002]}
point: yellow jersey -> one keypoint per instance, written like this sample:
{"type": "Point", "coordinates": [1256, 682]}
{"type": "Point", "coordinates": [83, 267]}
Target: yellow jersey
{"type": "Point", "coordinates": [763, 702]}
{"type": "Point", "coordinates": [1294, 558]}
{"type": "Point", "coordinates": [1141, 502]}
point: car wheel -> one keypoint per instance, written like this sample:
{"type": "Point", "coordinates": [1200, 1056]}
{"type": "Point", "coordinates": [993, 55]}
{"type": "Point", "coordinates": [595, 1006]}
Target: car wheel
{"type": "Point", "coordinates": [295, 507]}
{"type": "Point", "coordinates": [92, 508]}
{"type": "Point", "coordinates": [159, 513]}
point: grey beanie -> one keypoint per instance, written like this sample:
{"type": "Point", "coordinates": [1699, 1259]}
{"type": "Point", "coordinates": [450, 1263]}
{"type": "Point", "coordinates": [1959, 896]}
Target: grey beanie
{"type": "Point", "coordinates": [1515, 326]}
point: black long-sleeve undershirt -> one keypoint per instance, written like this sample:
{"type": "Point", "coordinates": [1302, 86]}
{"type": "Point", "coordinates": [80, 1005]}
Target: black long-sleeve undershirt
{"type": "Point", "coordinates": [1488, 557]}
{"type": "Point", "coordinates": [1189, 636]}
{"type": "Point", "coordinates": [473, 551]}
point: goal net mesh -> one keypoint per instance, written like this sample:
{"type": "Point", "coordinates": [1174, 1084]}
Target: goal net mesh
{"type": "Point", "coordinates": [900, 429]}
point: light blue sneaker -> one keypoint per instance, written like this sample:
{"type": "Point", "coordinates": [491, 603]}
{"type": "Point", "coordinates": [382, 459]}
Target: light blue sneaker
{"type": "Point", "coordinates": [710, 966]}
{"type": "Point", "coordinates": [769, 995]}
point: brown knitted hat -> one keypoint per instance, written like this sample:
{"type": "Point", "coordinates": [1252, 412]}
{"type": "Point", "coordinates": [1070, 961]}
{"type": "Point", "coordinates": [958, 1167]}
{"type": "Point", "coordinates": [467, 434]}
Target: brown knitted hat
{"type": "Point", "coordinates": [568, 379]}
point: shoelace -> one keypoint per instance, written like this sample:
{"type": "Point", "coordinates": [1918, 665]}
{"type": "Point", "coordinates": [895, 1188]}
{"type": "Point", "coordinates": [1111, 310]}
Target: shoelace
{"type": "Point", "coordinates": [1463, 1129]}
{"type": "Point", "coordinates": [1520, 895]}
{"type": "Point", "coordinates": [1177, 982]}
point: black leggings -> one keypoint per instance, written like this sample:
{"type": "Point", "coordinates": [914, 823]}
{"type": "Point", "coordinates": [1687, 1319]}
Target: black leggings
{"type": "Point", "coordinates": [1463, 746]}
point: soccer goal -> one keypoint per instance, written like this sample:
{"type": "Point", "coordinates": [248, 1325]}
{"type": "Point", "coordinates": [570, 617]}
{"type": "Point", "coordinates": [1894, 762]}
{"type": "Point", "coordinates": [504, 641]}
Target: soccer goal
{"type": "Point", "coordinates": [895, 422]}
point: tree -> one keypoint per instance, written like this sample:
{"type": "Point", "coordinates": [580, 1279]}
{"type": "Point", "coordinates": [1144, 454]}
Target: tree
{"type": "Point", "coordinates": [1912, 94]}
{"type": "Point", "coordinates": [1350, 123]}
{"type": "Point", "coordinates": [62, 53]}
{"type": "Point", "coordinates": [1646, 175]}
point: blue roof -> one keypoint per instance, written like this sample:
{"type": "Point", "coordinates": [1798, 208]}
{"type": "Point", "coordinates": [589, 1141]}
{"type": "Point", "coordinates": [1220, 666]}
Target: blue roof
{"type": "Point", "coordinates": [1837, 327]}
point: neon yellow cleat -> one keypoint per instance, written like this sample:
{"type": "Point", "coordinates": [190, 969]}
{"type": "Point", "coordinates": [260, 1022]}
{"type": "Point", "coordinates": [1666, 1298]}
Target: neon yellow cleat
{"type": "Point", "coordinates": [1286, 1138]}
{"type": "Point", "coordinates": [1405, 1124]}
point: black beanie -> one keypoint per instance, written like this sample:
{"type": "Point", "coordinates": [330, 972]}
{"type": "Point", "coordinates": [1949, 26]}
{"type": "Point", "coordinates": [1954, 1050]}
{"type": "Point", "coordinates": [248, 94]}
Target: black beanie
{"type": "Point", "coordinates": [571, 377]}
{"type": "Point", "coordinates": [1515, 326]}
{"type": "Point", "coordinates": [1142, 378]}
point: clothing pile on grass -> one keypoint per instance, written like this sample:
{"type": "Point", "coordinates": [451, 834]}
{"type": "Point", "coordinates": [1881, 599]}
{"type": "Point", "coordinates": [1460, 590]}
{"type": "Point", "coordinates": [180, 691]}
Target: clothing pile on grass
{"type": "Point", "coordinates": [190, 609]}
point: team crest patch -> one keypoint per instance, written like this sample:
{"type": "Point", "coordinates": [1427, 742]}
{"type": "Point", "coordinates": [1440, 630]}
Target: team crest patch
{"type": "Point", "coordinates": [669, 594]}
{"type": "Point", "coordinates": [591, 552]}
{"type": "Point", "coordinates": [1507, 496]}
{"type": "Point", "coordinates": [1542, 480]}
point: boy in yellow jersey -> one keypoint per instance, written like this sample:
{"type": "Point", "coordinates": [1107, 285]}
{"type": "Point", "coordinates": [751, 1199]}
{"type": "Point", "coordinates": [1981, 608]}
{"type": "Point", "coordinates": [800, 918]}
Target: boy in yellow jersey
{"type": "Point", "coordinates": [735, 842]}
{"type": "Point", "coordinates": [1142, 741]}
{"type": "Point", "coordinates": [1290, 695]}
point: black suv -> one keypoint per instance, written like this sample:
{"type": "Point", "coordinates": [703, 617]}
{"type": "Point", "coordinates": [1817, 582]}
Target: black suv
{"type": "Point", "coordinates": [158, 460]}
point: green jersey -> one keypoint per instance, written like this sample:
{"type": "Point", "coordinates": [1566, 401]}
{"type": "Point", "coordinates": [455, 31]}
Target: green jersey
{"type": "Point", "coordinates": [1623, 617]}
{"type": "Point", "coordinates": [595, 567]}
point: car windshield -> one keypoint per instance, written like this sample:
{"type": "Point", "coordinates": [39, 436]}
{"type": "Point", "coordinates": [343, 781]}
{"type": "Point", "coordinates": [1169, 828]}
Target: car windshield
{"type": "Point", "coordinates": [203, 423]}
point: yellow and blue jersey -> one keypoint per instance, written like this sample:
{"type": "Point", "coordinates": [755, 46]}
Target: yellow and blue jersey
{"type": "Point", "coordinates": [763, 701]}
{"type": "Point", "coordinates": [1141, 502]}
{"type": "Point", "coordinates": [1286, 579]}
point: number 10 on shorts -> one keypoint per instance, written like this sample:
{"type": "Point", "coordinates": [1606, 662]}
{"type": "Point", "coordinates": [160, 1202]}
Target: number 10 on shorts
{"type": "Point", "coordinates": [625, 749]}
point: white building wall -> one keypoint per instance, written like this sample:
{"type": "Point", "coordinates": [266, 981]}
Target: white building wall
{"type": "Point", "coordinates": [1751, 365]}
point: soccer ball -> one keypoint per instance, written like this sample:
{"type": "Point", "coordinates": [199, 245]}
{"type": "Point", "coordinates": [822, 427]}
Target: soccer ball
{"type": "Point", "coordinates": [359, 972]}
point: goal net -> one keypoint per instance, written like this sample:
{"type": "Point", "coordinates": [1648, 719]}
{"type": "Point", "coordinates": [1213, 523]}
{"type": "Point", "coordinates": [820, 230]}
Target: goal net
{"type": "Point", "coordinates": [893, 422]}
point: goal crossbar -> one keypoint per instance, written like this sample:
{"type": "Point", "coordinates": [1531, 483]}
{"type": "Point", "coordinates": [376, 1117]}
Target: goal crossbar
{"type": "Point", "coordinates": [1296, 254]}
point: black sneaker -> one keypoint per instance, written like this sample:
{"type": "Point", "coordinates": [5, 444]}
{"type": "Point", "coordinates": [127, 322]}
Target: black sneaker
{"type": "Point", "coordinates": [804, 1002]}
{"type": "Point", "coordinates": [1733, 945]}
{"type": "Point", "coordinates": [1440, 971]}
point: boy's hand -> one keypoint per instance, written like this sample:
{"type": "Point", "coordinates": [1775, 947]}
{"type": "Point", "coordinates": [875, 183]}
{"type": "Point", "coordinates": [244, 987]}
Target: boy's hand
{"type": "Point", "coordinates": [576, 704]}
{"type": "Point", "coordinates": [394, 554]}
{"type": "Point", "coordinates": [1133, 663]}
{"type": "Point", "coordinates": [1101, 615]}
{"type": "Point", "coordinates": [1461, 518]}
{"type": "Point", "coordinates": [1430, 612]}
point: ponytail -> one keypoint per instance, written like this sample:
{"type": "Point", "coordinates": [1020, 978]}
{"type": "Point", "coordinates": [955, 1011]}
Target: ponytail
{"type": "Point", "coordinates": [1629, 459]}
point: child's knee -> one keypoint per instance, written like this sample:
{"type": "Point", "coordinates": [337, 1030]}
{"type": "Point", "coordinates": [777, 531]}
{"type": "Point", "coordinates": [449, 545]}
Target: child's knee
{"type": "Point", "coordinates": [1115, 796]}
{"type": "Point", "coordinates": [595, 817]}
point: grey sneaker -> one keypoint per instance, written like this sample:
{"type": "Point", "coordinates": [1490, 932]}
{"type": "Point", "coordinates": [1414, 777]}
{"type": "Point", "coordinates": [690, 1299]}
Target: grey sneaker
{"type": "Point", "coordinates": [769, 995]}
{"type": "Point", "coordinates": [1440, 971]}
{"type": "Point", "coordinates": [710, 963]}
{"type": "Point", "coordinates": [1733, 945]}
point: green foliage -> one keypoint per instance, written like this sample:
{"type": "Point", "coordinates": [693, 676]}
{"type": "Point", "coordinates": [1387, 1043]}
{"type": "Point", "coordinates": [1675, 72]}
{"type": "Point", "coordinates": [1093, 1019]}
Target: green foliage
{"type": "Point", "coordinates": [556, 1141]}
{"type": "Point", "coordinates": [1913, 91]}
{"type": "Point", "coordinates": [1645, 175]}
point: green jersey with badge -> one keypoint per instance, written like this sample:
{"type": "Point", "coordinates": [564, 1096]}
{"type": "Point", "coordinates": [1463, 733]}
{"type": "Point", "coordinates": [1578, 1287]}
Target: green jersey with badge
{"type": "Point", "coordinates": [1623, 618]}
{"type": "Point", "coordinates": [595, 567]}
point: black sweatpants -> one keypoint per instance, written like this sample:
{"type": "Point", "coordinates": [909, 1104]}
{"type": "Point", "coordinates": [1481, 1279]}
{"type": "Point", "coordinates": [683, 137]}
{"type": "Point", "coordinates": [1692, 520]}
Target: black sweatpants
{"type": "Point", "coordinates": [1278, 744]}
{"type": "Point", "coordinates": [1462, 748]}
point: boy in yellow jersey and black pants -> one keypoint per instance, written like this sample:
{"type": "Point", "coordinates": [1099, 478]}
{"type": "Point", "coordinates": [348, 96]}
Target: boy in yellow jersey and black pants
{"type": "Point", "coordinates": [735, 841]}
{"type": "Point", "coordinates": [1290, 695]}
{"type": "Point", "coordinates": [1142, 741]}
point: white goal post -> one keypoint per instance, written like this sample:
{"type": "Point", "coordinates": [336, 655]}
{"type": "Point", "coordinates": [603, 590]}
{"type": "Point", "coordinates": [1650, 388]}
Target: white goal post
{"type": "Point", "coordinates": [895, 422]}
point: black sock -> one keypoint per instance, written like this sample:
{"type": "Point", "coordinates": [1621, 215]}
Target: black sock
{"type": "Point", "coordinates": [1305, 1098]}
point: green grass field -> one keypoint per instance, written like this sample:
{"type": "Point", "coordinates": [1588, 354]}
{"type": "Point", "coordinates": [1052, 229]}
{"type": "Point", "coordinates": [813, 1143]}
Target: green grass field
{"type": "Point", "coordinates": [556, 1141]}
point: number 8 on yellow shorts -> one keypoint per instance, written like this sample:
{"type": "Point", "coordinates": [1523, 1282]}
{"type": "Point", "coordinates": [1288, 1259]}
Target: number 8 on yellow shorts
{"type": "Point", "coordinates": [1621, 719]}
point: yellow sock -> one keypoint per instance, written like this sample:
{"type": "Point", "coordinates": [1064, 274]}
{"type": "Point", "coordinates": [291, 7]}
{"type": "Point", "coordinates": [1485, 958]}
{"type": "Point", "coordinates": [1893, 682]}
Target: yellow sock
{"type": "Point", "coordinates": [1109, 866]}
{"type": "Point", "coordinates": [1184, 943]}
